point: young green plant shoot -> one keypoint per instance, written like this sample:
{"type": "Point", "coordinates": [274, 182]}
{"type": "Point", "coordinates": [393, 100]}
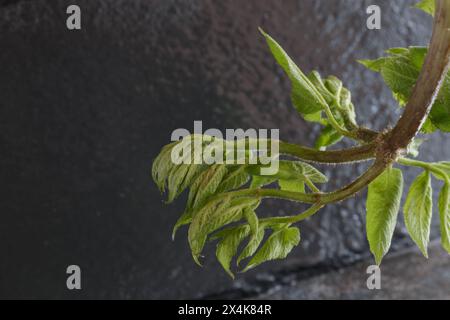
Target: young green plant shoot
{"type": "Point", "coordinates": [223, 197]}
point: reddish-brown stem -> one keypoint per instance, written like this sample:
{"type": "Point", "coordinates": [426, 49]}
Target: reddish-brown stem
{"type": "Point", "coordinates": [429, 83]}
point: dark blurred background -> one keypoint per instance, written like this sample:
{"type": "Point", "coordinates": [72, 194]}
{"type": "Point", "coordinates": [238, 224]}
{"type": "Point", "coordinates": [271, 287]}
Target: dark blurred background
{"type": "Point", "coordinates": [84, 113]}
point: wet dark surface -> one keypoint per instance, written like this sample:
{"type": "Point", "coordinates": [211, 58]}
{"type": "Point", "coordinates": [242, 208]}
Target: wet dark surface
{"type": "Point", "coordinates": [83, 113]}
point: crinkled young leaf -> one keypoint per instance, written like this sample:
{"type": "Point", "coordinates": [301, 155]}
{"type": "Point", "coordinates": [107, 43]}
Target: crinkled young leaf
{"type": "Point", "coordinates": [311, 95]}
{"type": "Point", "coordinates": [418, 210]}
{"type": "Point", "coordinates": [277, 246]}
{"type": "Point", "coordinates": [206, 185]}
{"type": "Point", "coordinates": [178, 172]}
{"type": "Point", "coordinates": [317, 81]}
{"type": "Point", "coordinates": [181, 177]}
{"type": "Point", "coordinates": [252, 220]}
{"type": "Point", "coordinates": [185, 219]}
{"type": "Point", "coordinates": [200, 227]}
{"type": "Point", "coordinates": [305, 96]}
{"type": "Point", "coordinates": [194, 171]}
{"type": "Point", "coordinates": [229, 244]}
{"type": "Point", "coordinates": [444, 214]}
{"type": "Point", "coordinates": [232, 237]}
{"type": "Point", "coordinates": [292, 170]}
{"type": "Point", "coordinates": [334, 86]}
{"type": "Point", "coordinates": [175, 179]}
{"type": "Point", "coordinates": [300, 169]}
{"type": "Point", "coordinates": [214, 215]}
{"type": "Point", "coordinates": [347, 109]}
{"type": "Point", "coordinates": [252, 246]}
{"type": "Point", "coordinates": [429, 6]}
{"type": "Point", "coordinates": [338, 99]}
{"type": "Point", "coordinates": [162, 166]}
{"type": "Point", "coordinates": [234, 179]}
{"type": "Point", "coordinates": [178, 177]}
{"type": "Point", "coordinates": [383, 203]}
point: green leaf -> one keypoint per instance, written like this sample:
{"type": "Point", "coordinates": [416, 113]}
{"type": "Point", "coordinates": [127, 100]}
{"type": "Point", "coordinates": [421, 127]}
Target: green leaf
{"type": "Point", "coordinates": [338, 99]}
{"type": "Point", "coordinates": [252, 220]}
{"type": "Point", "coordinates": [383, 203]}
{"type": "Point", "coordinates": [400, 71]}
{"type": "Point", "coordinates": [328, 137]}
{"type": "Point", "coordinates": [429, 6]}
{"type": "Point", "coordinates": [347, 109]}
{"type": "Point", "coordinates": [175, 179]}
{"type": "Point", "coordinates": [214, 215]}
{"type": "Point", "coordinates": [162, 166]}
{"type": "Point", "coordinates": [396, 51]}
{"type": "Point", "coordinates": [185, 219]}
{"type": "Point", "coordinates": [334, 86]}
{"type": "Point", "coordinates": [261, 181]}
{"type": "Point", "coordinates": [229, 244]}
{"type": "Point", "coordinates": [180, 178]}
{"type": "Point", "coordinates": [301, 170]}
{"type": "Point", "coordinates": [444, 166]}
{"type": "Point", "coordinates": [232, 237]}
{"type": "Point", "coordinates": [305, 96]}
{"type": "Point", "coordinates": [374, 65]}
{"type": "Point", "coordinates": [277, 246]}
{"type": "Point", "coordinates": [444, 214]}
{"type": "Point", "coordinates": [319, 84]}
{"type": "Point", "coordinates": [400, 75]}
{"type": "Point", "coordinates": [292, 170]}
{"type": "Point", "coordinates": [252, 246]}
{"type": "Point", "coordinates": [418, 210]}
{"type": "Point", "coordinates": [315, 117]}
{"type": "Point", "coordinates": [234, 179]}
{"type": "Point", "coordinates": [311, 95]}
{"type": "Point", "coordinates": [206, 185]}
{"type": "Point", "coordinates": [428, 127]}
{"type": "Point", "coordinates": [178, 172]}
{"type": "Point", "coordinates": [191, 175]}
{"type": "Point", "coordinates": [440, 113]}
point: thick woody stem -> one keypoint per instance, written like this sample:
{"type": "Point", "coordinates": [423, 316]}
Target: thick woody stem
{"type": "Point", "coordinates": [429, 83]}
